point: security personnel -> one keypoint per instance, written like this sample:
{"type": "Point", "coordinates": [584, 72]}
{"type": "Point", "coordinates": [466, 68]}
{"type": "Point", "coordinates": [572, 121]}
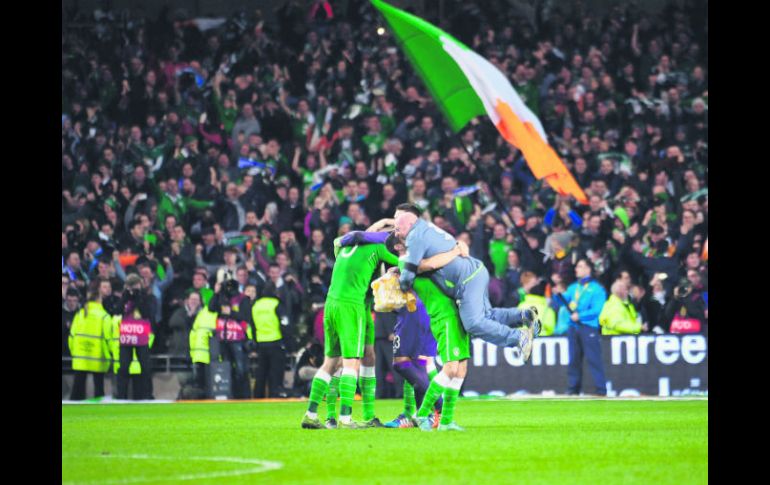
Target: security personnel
{"type": "Point", "coordinates": [268, 316]}
{"type": "Point", "coordinates": [585, 299]}
{"type": "Point", "coordinates": [619, 316]}
{"type": "Point", "coordinates": [137, 309]}
{"type": "Point", "coordinates": [203, 343]}
{"type": "Point", "coordinates": [88, 344]}
{"type": "Point", "coordinates": [234, 332]}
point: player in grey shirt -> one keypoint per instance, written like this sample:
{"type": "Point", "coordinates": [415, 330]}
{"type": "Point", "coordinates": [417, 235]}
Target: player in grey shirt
{"type": "Point", "coordinates": [465, 280]}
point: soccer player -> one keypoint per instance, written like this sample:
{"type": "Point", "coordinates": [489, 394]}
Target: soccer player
{"type": "Point", "coordinates": [413, 347]}
{"type": "Point", "coordinates": [412, 344]}
{"type": "Point", "coordinates": [465, 280]}
{"type": "Point", "coordinates": [346, 317]}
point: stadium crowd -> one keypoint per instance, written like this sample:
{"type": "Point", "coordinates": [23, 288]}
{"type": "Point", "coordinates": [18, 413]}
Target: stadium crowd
{"type": "Point", "coordinates": [197, 150]}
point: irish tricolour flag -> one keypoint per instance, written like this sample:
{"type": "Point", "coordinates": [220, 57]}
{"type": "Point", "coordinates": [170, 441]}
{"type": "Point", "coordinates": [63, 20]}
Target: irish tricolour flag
{"type": "Point", "coordinates": [465, 85]}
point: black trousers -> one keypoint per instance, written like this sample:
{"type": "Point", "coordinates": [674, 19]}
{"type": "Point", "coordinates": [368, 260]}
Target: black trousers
{"type": "Point", "coordinates": [234, 353]}
{"type": "Point", "coordinates": [143, 381]}
{"type": "Point", "coordinates": [271, 361]}
{"type": "Point", "coordinates": [79, 385]}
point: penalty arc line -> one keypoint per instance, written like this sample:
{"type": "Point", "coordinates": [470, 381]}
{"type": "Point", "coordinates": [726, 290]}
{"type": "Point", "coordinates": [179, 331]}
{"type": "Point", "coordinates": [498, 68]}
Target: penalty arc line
{"type": "Point", "coordinates": [263, 466]}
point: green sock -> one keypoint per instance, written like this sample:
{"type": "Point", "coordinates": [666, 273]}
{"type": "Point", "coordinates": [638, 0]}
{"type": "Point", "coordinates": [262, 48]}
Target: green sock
{"type": "Point", "coordinates": [432, 373]}
{"type": "Point", "coordinates": [318, 390]}
{"type": "Point", "coordinates": [347, 392]}
{"type": "Point", "coordinates": [331, 398]}
{"type": "Point", "coordinates": [435, 389]}
{"type": "Point", "coordinates": [368, 383]}
{"type": "Point", "coordinates": [409, 402]}
{"type": "Point", "coordinates": [450, 399]}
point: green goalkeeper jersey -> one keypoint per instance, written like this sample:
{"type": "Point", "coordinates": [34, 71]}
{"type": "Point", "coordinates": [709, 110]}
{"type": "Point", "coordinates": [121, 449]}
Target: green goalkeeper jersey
{"type": "Point", "coordinates": [353, 271]}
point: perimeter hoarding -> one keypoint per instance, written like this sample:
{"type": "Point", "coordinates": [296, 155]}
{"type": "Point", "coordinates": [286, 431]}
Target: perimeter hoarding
{"type": "Point", "coordinates": [656, 365]}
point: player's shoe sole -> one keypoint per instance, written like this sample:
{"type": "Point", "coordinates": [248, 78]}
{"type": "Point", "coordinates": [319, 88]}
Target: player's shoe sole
{"type": "Point", "coordinates": [536, 323]}
{"type": "Point", "coordinates": [525, 342]}
{"type": "Point", "coordinates": [310, 423]}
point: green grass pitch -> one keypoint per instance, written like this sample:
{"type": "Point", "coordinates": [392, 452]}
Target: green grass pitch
{"type": "Point", "coordinates": [506, 441]}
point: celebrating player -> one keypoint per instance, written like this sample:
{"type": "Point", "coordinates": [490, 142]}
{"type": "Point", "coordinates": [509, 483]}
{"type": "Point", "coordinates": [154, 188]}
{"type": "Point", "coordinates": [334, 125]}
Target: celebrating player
{"type": "Point", "coordinates": [465, 280]}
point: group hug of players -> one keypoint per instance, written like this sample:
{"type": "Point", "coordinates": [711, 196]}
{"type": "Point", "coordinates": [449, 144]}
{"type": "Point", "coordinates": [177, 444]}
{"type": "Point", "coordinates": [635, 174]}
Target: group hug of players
{"type": "Point", "coordinates": [452, 303]}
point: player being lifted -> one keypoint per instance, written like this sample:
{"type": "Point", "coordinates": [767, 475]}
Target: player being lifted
{"type": "Point", "coordinates": [465, 280]}
{"type": "Point", "coordinates": [345, 320]}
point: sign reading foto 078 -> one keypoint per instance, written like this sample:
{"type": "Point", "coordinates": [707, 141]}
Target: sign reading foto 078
{"type": "Point", "coordinates": [633, 364]}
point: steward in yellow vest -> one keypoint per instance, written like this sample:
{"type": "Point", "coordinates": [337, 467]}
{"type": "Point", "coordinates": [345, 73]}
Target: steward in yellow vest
{"type": "Point", "coordinates": [268, 316]}
{"type": "Point", "coordinates": [89, 348]}
{"type": "Point", "coordinates": [618, 316]}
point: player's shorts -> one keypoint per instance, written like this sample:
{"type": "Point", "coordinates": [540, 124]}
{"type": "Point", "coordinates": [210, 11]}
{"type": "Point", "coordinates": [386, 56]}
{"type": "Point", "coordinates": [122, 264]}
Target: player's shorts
{"type": "Point", "coordinates": [413, 336]}
{"type": "Point", "coordinates": [345, 329]}
{"type": "Point", "coordinates": [453, 341]}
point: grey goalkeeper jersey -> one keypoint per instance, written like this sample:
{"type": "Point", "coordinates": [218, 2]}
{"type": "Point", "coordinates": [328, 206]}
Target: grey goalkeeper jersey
{"type": "Point", "coordinates": [424, 240]}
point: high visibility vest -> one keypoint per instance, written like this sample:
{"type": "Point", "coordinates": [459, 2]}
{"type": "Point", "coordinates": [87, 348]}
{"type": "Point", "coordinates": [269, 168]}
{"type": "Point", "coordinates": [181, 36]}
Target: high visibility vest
{"type": "Point", "coordinates": [87, 340]}
{"type": "Point", "coordinates": [265, 320]}
{"type": "Point", "coordinates": [619, 317]}
{"type": "Point", "coordinates": [546, 313]}
{"type": "Point", "coordinates": [202, 329]}
{"type": "Point", "coordinates": [113, 323]}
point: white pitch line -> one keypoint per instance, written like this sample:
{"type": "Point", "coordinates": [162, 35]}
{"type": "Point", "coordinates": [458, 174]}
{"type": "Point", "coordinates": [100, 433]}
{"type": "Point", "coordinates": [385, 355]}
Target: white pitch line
{"type": "Point", "coordinates": [264, 466]}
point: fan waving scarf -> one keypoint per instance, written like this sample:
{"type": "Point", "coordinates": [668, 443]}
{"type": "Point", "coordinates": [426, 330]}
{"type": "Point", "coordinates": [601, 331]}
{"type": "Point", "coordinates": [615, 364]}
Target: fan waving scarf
{"type": "Point", "coordinates": [465, 85]}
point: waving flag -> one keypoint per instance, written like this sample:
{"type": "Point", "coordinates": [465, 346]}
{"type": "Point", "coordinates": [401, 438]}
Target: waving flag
{"type": "Point", "coordinates": [465, 85]}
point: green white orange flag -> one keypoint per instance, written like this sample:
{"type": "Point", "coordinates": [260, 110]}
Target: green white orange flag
{"type": "Point", "coordinates": [465, 85]}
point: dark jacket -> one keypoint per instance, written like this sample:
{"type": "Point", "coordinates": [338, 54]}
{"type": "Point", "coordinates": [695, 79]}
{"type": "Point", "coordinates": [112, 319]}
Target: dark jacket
{"type": "Point", "coordinates": [180, 324]}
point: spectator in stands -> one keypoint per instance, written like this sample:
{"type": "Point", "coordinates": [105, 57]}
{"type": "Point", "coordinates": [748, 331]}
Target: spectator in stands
{"type": "Point", "coordinates": [70, 306]}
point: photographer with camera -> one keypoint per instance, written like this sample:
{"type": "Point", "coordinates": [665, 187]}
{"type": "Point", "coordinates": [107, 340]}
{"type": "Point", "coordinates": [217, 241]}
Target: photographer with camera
{"type": "Point", "coordinates": [685, 313]}
{"type": "Point", "coordinates": [138, 309]}
{"type": "Point", "coordinates": [234, 331]}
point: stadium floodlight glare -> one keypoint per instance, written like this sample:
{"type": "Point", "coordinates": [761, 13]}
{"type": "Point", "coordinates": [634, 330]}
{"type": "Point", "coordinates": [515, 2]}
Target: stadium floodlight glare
{"type": "Point", "coordinates": [380, 31]}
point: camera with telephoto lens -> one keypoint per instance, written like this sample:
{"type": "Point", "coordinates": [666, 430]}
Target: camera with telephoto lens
{"type": "Point", "coordinates": [683, 289]}
{"type": "Point", "coordinates": [230, 288]}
